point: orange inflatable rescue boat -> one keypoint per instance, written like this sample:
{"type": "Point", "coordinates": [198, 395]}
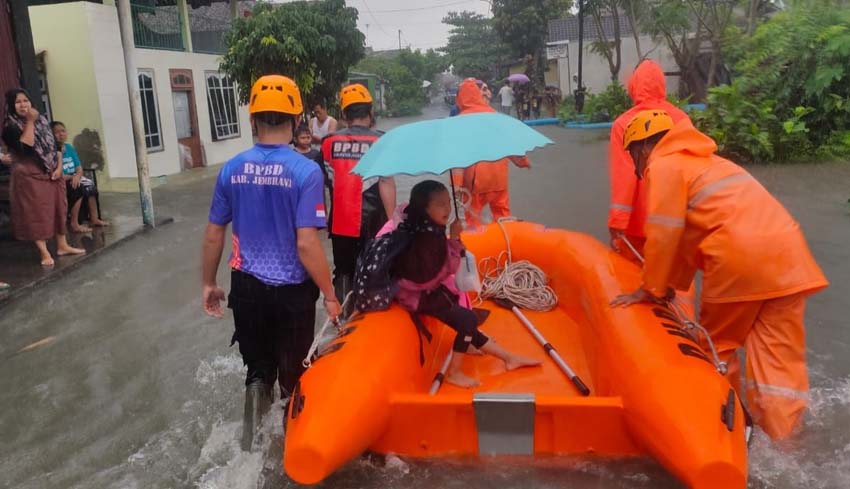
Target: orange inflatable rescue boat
{"type": "Point", "coordinates": [653, 390]}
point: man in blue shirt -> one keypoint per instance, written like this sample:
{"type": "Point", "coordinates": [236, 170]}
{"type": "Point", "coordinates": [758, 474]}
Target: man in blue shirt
{"type": "Point", "coordinates": [274, 199]}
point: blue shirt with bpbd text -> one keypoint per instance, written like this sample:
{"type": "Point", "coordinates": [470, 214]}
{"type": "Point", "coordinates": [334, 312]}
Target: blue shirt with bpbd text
{"type": "Point", "coordinates": [268, 192]}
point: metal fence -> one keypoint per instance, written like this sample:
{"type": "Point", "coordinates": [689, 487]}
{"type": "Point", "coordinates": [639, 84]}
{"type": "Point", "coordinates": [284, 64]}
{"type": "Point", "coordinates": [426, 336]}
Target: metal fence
{"type": "Point", "coordinates": [156, 27]}
{"type": "Point", "coordinates": [209, 23]}
{"type": "Point", "coordinates": [209, 42]}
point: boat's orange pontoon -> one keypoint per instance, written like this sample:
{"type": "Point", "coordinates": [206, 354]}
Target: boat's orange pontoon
{"type": "Point", "coordinates": [654, 391]}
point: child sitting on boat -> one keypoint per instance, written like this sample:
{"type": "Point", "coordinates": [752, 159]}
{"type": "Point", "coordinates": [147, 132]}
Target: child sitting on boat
{"type": "Point", "coordinates": [422, 269]}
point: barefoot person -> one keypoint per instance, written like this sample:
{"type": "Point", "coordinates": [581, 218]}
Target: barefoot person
{"type": "Point", "coordinates": [705, 212]}
{"type": "Point", "coordinates": [273, 197]}
{"type": "Point", "coordinates": [78, 187]}
{"type": "Point", "coordinates": [39, 205]}
{"type": "Point", "coordinates": [422, 269]}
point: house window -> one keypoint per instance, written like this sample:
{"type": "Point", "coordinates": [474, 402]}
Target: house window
{"type": "Point", "coordinates": [221, 99]}
{"type": "Point", "coordinates": [150, 111]}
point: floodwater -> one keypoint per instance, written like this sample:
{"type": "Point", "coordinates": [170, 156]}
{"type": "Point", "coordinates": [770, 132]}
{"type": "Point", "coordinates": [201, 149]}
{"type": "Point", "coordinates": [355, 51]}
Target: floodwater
{"type": "Point", "coordinates": [134, 387]}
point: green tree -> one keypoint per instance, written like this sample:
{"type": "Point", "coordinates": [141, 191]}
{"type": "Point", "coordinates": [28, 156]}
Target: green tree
{"type": "Point", "coordinates": [610, 49]}
{"type": "Point", "coordinates": [404, 74]}
{"type": "Point", "coordinates": [473, 49]}
{"type": "Point", "coordinates": [671, 22]}
{"type": "Point", "coordinates": [791, 96]}
{"type": "Point", "coordinates": [523, 26]}
{"type": "Point", "coordinates": [314, 42]}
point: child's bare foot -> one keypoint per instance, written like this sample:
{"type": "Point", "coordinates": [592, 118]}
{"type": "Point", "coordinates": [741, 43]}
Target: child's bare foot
{"type": "Point", "coordinates": [47, 261]}
{"type": "Point", "coordinates": [79, 228]}
{"type": "Point", "coordinates": [70, 250]}
{"type": "Point", "coordinates": [99, 223]}
{"type": "Point", "coordinates": [461, 380]}
{"type": "Point", "coordinates": [515, 361]}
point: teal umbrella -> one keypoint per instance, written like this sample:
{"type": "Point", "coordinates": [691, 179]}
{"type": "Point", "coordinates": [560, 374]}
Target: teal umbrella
{"type": "Point", "coordinates": [439, 145]}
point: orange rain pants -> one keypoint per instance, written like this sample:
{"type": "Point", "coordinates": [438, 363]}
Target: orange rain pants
{"type": "Point", "coordinates": [707, 213]}
{"type": "Point", "coordinates": [776, 382]}
{"type": "Point", "coordinates": [499, 202]}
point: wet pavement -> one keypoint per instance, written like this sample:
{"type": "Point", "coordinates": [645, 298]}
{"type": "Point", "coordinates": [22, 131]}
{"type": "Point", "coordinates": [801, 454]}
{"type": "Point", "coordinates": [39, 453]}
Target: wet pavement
{"type": "Point", "coordinates": [128, 385]}
{"type": "Point", "coordinates": [19, 261]}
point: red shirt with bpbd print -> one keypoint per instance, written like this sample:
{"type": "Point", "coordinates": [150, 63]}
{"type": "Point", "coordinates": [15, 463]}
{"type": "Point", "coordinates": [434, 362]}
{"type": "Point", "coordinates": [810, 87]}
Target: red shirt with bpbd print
{"type": "Point", "coordinates": [341, 151]}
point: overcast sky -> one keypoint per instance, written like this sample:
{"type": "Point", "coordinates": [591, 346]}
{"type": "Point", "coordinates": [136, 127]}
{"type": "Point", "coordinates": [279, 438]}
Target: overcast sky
{"type": "Point", "coordinates": [419, 21]}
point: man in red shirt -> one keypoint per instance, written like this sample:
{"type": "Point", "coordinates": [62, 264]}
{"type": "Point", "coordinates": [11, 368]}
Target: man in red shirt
{"type": "Point", "coordinates": [358, 210]}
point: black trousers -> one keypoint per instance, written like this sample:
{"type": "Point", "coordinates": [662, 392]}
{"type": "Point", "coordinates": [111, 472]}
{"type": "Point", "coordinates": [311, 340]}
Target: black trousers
{"type": "Point", "coordinates": [462, 320]}
{"type": "Point", "coordinates": [345, 250]}
{"type": "Point", "coordinates": [274, 326]}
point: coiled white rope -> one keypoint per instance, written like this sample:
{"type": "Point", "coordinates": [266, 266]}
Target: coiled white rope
{"type": "Point", "coordinates": [522, 283]}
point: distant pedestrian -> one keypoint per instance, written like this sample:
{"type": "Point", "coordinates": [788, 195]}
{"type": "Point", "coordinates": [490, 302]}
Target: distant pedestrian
{"type": "Point", "coordinates": [39, 205]}
{"type": "Point", "coordinates": [506, 97]}
{"type": "Point", "coordinates": [273, 197]}
{"type": "Point", "coordinates": [485, 90]}
{"type": "Point", "coordinates": [321, 124]}
{"type": "Point", "coordinates": [78, 187]}
{"type": "Point", "coordinates": [302, 144]}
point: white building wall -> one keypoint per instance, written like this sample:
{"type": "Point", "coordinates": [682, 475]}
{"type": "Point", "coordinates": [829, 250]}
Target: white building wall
{"type": "Point", "coordinates": [596, 75]}
{"type": "Point", "coordinates": [167, 161]}
{"type": "Point", "coordinates": [111, 79]}
{"type": "Point", "coordinates": [88, 88]}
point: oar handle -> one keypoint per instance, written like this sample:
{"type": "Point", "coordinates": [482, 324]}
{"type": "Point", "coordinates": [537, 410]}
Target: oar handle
{"type": "Point", "coordinates": [574, 378]}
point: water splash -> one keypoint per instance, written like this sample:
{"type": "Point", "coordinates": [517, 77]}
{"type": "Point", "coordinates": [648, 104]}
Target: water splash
{"type": "Point", "coordinates": [820, 457]}
{"type": "Point", "coordinates": [221, 366]}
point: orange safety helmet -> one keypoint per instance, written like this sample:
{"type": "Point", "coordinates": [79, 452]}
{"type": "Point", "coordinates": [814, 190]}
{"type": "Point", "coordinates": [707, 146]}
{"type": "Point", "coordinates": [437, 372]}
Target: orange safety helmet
{"type": "Point", "coordinates": [275, 93]}
{"type": "Point", "coordinates": [354, 94]}
{"type": "Point", "coordinates": [645, 125]}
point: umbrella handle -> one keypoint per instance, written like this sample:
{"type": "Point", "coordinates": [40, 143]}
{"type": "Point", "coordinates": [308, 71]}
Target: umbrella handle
{"type": "Point", "coordinates": [458, 204]}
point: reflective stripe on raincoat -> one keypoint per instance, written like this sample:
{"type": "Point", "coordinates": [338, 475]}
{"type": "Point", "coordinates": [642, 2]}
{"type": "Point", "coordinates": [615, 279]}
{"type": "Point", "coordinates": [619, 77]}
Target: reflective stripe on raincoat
{"type": "Point", "coordinates": [705, 212]}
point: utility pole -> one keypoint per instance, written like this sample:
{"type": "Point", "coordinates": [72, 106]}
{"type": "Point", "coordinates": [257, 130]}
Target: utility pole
{"type": "Point", "coordinates": [579, 94]}
{"type": "Point", "coordinates": [127, 42]}
{"type": "Point", "coordinates": [399, 39]}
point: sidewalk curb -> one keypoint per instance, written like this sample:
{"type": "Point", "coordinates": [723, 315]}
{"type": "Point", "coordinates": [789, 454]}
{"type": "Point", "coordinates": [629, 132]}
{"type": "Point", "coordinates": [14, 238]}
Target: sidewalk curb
{"type": "Point", "coordinates": [17, 292]}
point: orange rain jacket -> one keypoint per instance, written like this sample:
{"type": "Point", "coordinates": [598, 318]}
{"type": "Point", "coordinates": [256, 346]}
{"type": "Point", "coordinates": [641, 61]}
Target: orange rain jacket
{"type": "Point", "coordinates": [627, 211]}
{"type": "Point", "coordinates": [485, 176]}
{"type": "Point", "coordinates": [705, 212]}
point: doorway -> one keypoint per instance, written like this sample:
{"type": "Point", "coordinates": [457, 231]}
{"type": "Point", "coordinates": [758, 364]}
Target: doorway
{"type": "Point", "coordinates": [186, 118]}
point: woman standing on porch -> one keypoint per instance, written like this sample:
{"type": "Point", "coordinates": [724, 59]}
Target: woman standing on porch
{"type": "Point", "coordinates": [38, 201]}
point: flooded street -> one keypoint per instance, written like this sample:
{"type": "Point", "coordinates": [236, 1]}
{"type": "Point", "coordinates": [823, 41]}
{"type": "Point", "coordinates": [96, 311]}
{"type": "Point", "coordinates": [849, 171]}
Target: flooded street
{"type": "Point", "coordinates": [134, 387]}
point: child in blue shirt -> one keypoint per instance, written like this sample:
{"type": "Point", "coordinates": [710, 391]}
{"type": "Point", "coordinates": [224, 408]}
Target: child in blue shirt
{"type": "Point", "coordinates": [79, 188]}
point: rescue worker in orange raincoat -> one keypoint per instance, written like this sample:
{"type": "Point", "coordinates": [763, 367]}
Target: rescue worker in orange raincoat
{"type": "Point", "coordinates": [358, 210]}
{"type": "Point", "coordinates": [627, 210]}
{"type": "Point", "coordinates": [705, 212]}
{"type": "Point", "coordinates": [487, 182]}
